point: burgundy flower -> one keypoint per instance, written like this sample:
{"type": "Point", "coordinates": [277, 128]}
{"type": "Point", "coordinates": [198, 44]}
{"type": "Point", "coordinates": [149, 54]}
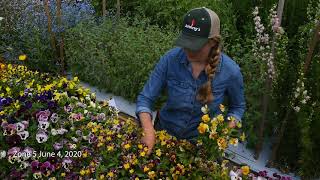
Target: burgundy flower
{"type": "Point", "coordinates": [46, 168]}
{"type": "Point", "coordinates": [13, 140]}
{"type": "Point", "coordinates": [14, 174]}
{"type": "Point", "coordinates": [35, 166]}
{"type": "Point", "coordinates": [9, 129]}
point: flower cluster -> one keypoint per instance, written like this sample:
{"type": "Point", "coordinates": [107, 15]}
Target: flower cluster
{"type": "Point", "coordinates": [300, 94]}
{"type": "Point", "coordinates": [216, 134]}
{"type": "Point", "coordinates": [261, 47]}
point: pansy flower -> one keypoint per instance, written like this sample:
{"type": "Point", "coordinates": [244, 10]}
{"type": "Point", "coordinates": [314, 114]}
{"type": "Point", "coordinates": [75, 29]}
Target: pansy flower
{"type": "Point", "coordinates": [54, 117]}
{"type": "Point", "coordinates": [20, 126]}
{"type": "Point", "coordinates": [46, 168]}
{"type": "Point", "coordinates": [41, 137]}
{"type": "Point", "coordinates": [23, 135]}
{"type": "Point", "coordinates": [9, 129]}
{"type": "Point", "coordinates": [67, 163]}
{"type": "Point", "coordinates": [57, 146]}
{"type": "Point", "coordinates": [43, 125]}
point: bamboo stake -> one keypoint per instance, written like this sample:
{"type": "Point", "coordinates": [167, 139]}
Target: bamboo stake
{"type": "Point", "coordinates": [52, 36]}
{"type": "Point", "coordinates": [268, 85]}
{"type": "Point", "coordinates": [118, 8]}
{"type": "Point", "coordinates": [312, 45]}
{"type": "Point", "coordinates": [104, 6]}
{"type": "Point", "coordinates": [61, 50]}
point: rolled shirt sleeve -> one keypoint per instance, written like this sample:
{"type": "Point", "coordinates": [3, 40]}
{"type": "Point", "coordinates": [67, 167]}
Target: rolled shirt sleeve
{"type": "Point", "coordinates": [152, 87]}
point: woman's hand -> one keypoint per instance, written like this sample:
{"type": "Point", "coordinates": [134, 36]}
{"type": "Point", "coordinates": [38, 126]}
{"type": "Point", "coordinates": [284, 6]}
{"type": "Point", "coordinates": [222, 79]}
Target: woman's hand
{"type": "Point", "coordinates": [149, 136]}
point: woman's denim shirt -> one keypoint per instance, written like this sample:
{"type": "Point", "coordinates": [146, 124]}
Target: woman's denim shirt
{"type": "Point", "coordinates": [181, 114]}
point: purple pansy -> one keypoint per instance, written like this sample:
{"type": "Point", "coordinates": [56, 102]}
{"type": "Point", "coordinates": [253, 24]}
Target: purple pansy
{"type": "Point", "coordinates": [46, 168]}
{"type": "Point", "coordinates": [23, 135]}
{"type": "Point", "coordinates": [41, 137]}
{"type": "Point", "coordinates": [57, 146]}
{"type": "Point", "coordinates": [54, 117]}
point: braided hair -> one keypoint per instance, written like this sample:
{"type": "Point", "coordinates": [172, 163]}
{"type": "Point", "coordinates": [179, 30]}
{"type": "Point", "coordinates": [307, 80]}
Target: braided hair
{"type": "Point", "coordinates": [204, 94]}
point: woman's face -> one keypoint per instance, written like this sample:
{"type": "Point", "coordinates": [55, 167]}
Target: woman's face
{"type": "Point", "coordinates": [201, 55]}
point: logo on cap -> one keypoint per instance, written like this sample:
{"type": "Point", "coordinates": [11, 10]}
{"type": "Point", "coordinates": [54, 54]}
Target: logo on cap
{"type": "Point", "coordinates": [192, 26]}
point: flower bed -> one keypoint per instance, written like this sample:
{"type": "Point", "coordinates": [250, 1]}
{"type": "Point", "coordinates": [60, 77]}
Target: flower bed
{"type": "Point", "coordinates": [53, 128]}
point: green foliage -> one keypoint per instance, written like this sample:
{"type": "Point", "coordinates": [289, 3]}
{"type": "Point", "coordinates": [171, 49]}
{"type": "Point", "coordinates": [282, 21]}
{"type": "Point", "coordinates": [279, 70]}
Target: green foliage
{"type": "Point", "coordinates": [116, 57]}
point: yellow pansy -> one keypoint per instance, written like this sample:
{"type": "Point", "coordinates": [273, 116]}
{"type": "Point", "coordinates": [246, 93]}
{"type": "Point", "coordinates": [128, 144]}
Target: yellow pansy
{"type": "Point", "coordinates": [239, 125]}
{"type": "Point", "coordinates": [222, 143]}
{"type": "Point", "coordinates": [110, 174]}
{"type": "Point", "coordinates": [126, 166]}
{"type": "Point", "coordinates": [245, 170]}
{"type": "Point", "coordinates": [243, 137]}
{"type": "Point", "coordinates": [102, 177]}
{"type": "Point", "coordinates": [233, 141]}
{"type": "Point", "coordinates": [202, 128]}
{"type": "Point", "coordinates": [22, 57]}
{"type": "Point", "coordinates": [142, 154]}
{"type": "Point", "coordinates": [225, 130]}
{"type": "Point", "coordinates": [127, 146]}
{"type": "Point", "coordinates": [82, 172]}
{"type": "Point", "coordinates": [145, 169]}
{"type": "Point", "coordinates": [63, 174]}
{"type": "Point", "coordinates": [131, 171]}
{"type": "Point", "coordinates": [151, 174]}
{"type": "Point", "coordinates": [110, 147]}
{"type": "Point", "coordinates": [222, 108]}
{"type": "Point", "coordinates": [220, 118]}
{"type": "Point", "coordinates": [158, 152]}
{"type": "Point", "coordinates": [205, 118]}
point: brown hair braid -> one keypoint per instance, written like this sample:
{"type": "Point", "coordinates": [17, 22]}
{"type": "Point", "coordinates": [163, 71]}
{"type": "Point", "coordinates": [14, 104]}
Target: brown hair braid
{"type": "Point", "coordinates": [204, 94]}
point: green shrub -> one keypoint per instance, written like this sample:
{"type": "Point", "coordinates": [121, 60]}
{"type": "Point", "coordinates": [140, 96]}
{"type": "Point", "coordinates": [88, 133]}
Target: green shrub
{"type": "Point", "coordinates": [116, 57]}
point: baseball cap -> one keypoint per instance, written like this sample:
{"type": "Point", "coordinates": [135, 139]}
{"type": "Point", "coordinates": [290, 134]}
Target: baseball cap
{"type": "Point", "coordinates": [198, 26]}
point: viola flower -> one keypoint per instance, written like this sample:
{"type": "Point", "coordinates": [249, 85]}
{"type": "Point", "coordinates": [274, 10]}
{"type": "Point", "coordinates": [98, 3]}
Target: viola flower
{"type": "Point", "coordinates": [10, 130]}
{"type": "Point", "coordinates": [54, 132]}
{"type": "Point", "coordinates": [92, 138]}
{"type": "Point", "coordinates": [28, 153]}
{"type": "Point", "coordinates": [222, 143]}
{"type": "Point", "coordinates": [2, 154]}
{"type": "Point", "coordinates": [43, 125]}
{"type": "Point", "coordinates": [24, 165]}
{"type": "Point", "coordinates": [61, 131]}
{"type": "Point", "coordinates": [41, 137]}
{"type": "Point", "coordinates": [45, 115]}
{"type": "Point", "coordinates": [68, 108]}
{"type": "Point", "coordinates": [101, 117]}
{"type": "Point", "coordinates": [13, 140]}
{"type": "Point", "coordinates": [46, 168]}
{"type": "Point", "coordinates": [22, 57]}
{"type": "Point", "coordinates": [23, 135]}
{"type": "Point", "coordinates": [54, 117]}
{"type": "Point", "coordinates": [233, 141]}
{"type": "Point", "coordinates": [205, 118]}
{"type": "Point", "coordinates": [245, 170]}
{"type": "Point", "coordinates": [28, 104]}
{"type": "Point", "coordinates": [66, 163]}
{"type": "Point", "coordinates": [37, 175]}
{"type": "Point", "coordinates": [202, 128]}
{"type": "Point", "coordinates": [57, 146]}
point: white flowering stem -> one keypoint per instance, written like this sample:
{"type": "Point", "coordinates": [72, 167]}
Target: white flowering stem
{"type": "Point", "coordinates": [268, 84]}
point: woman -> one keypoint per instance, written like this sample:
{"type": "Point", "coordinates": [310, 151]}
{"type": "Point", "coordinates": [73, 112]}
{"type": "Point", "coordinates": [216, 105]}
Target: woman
{"type": "Point", "coordinates": [196, 73]}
